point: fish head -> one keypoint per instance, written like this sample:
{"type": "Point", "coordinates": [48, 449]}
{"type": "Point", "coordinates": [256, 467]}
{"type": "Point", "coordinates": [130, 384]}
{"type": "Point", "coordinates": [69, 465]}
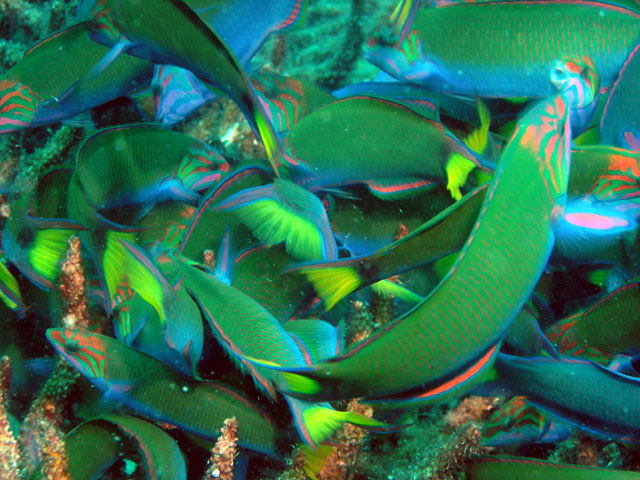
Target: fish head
{"type": "Point", "coordinates": [83, 350]}
{"type": "Point", "coordinates": [577, 79]}
{"type": "Point", "coordinates": [18, 106]}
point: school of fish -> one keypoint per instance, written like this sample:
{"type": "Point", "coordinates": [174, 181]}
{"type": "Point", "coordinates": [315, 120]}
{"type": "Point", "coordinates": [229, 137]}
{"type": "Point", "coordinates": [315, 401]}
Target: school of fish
{"type": "Point", "coordinates": [500, 137]}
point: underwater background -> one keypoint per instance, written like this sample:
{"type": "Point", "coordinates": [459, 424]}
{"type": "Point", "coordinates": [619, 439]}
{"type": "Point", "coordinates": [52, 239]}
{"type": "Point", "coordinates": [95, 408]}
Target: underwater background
{"type": "Point", "coordinates": [147, 308]}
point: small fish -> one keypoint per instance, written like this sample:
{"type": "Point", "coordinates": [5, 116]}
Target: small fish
{"type": "Point", "coordinates": [37, 246]}
{"type": "Point", "coordinates": [517, 422]}
{"type": "Point", "coordinates": [136, 164]}
{"type": "Point", "coordinates": [609, 326]}
{"type": "Point", "coordinates": [285, 212]}
{"type": "Point", "coordinates": [581, 392]}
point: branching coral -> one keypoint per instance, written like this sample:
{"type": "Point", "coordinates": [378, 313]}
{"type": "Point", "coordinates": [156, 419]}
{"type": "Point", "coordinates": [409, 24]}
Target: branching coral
{"type": "Point", "coordinates": [224, 452]}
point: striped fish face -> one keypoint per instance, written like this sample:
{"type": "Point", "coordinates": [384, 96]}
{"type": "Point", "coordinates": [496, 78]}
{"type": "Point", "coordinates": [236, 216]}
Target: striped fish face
{"type": "Point", "coordinates": [83, 351]}
{"type": "Point", "coordinates": [578, 79]}
{"type": "Point", "coordinates": [18, 106]}
{"type": "Point", "coordinates": [553, 150]}
{"type": "Point", "coordinates": [621, 181]}
{"type": "Point", "coordinates": [202, 167]}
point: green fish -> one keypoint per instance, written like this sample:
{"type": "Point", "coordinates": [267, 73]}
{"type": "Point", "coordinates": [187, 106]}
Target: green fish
{"type": "Point", "coordinates": [502, 467]}
{"type": "Point", "coordinates": [448, 340]}
{"type": "Point", "coordinates": [50, 83]}
{"type": "Point", "coordinates": [156, 391]}
{"type": "Point", "coordinates": [173, 33]}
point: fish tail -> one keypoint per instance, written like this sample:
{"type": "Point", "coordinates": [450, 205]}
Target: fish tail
{"type": "Point", "coordinates": [332, 283]}
{"type": "Point", "coordinates": [402, 18]}
{"type": "Point", "coordinates": [386, 288]}
{"type": "Point", "coordinates": [316, 423]}
{"type": "Point", "coordinates": [458, 167]}
{"type": "Point", "coordinates": [48, 248]}
{"type": "Point", "coordinates": [258, 117]}
{"type": "Point", "coordinates": [144, 277]}
{"type": "Point", "coordinates": [315, 459]}
{"type": "Point", "coordinates": [10, 291]}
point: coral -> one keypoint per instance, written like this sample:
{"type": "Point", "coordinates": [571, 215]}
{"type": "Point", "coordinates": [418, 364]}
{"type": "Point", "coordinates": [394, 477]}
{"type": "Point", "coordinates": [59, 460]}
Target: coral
{"type": "Point", "coordinates": [72, 288]}
{"type": "Point", "coordinates": [41, 429]}
{"type": "Point", "coordinates": [470, 409]}
{"type": "Point", "coordinates": [340, 464]}
{"type": "Point", "coordinates": [381, 309]}
{"type": "Point", "coordinates": [209, 258]}
{"type": "Point", "coordinates": [53, 153]}
{"type": "Point", "coordinates": [10, 458]}
{"type": "Point", "coordinates": [463, 444]}
{"type": "Point", "coordinates": [23, 22]}
{"type": "Point", "coordinates": [359, 323]}
{"type": "Point", "coordinates": [224, 452]}
{"type": "Point", "coordinates": [336, 61]}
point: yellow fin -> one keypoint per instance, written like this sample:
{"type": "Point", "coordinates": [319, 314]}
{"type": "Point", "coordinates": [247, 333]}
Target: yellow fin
{"type": "Point", "coordinates": [11, 283]}
{"type": "Point", "coordinates": [387, 287]}
{"type": "Point", "coordinates": [458, 167]}
{"type": "Point", "coordinates": [315, 459]}
{"type": "Point", "coordinates": [49, 248]}
{"type": "Point", "coordinates": [332, 284]}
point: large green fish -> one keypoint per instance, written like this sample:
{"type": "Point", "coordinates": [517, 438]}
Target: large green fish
{"type": "Point", "coordinates": [506, 48]}
{"type": "Point", "coordinates": [450, 338]}
{"type": "Point", "coordinates": [135, 164]}
{"type": "Point", "coordinates": [382, 144]}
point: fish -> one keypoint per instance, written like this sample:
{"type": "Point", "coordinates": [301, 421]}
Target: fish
{"type": "Point", "coordinates": [285, 212]}
{"type": "Point", "coordinates": [244, 25]}
{"type": "Point", "coordinates": [244, 327]}
{"type": "Point", "coordinates": [160, 393]}
{"type": "Point", "coordinates": [608, 326]}
{"type": "Point", "coordinates": [442, 235]}
{"type": "Point", "coordinates": [450, 339]}
{"type": "Point", "coordinates": [173, 33]}
{"type": "Point", "coordinates": [37, 246]}
{"type": "Point", "coordinates": [367, 133]}
{"type": "Point", "coordinates": [502, 467]}
{"type": "Point", "coordinates": [516, 423]}
{"type": "Point", "coordinates": [50, 83]}
{"type": "Point", "coordinates": [619, 122]}
{"type": "Point", "coordinates": [488, 60]}
{"type": "Point", "coordinates": [144, 163]}
{"type": "Point", "coordinates": [581, 392]}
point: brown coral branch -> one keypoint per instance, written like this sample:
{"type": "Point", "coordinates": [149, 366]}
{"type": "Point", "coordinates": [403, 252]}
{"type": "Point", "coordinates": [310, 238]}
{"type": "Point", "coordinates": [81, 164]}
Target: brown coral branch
{"type": "Point", "coordinates": [464, 444]}
{"type": "Point", "coordinates": [224, 452]}
{"type": "Point", "coordinates": [10, 458]}
{"type": "Point", "coordinates": [340, 464]}
{"type": "Point", "coordinates": [72, 288]}
{"type": "Point", "coordinates": [41, 429]}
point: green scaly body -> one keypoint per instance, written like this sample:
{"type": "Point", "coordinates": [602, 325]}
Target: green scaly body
{"type": "Point", "coordinates": [462, 321]}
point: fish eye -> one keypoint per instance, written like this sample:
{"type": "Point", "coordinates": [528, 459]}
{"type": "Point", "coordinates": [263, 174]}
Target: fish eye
{"type": "Point", "coordinates": [72, 346]}
{"type": "Point", "coordinates": [559, 72]}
